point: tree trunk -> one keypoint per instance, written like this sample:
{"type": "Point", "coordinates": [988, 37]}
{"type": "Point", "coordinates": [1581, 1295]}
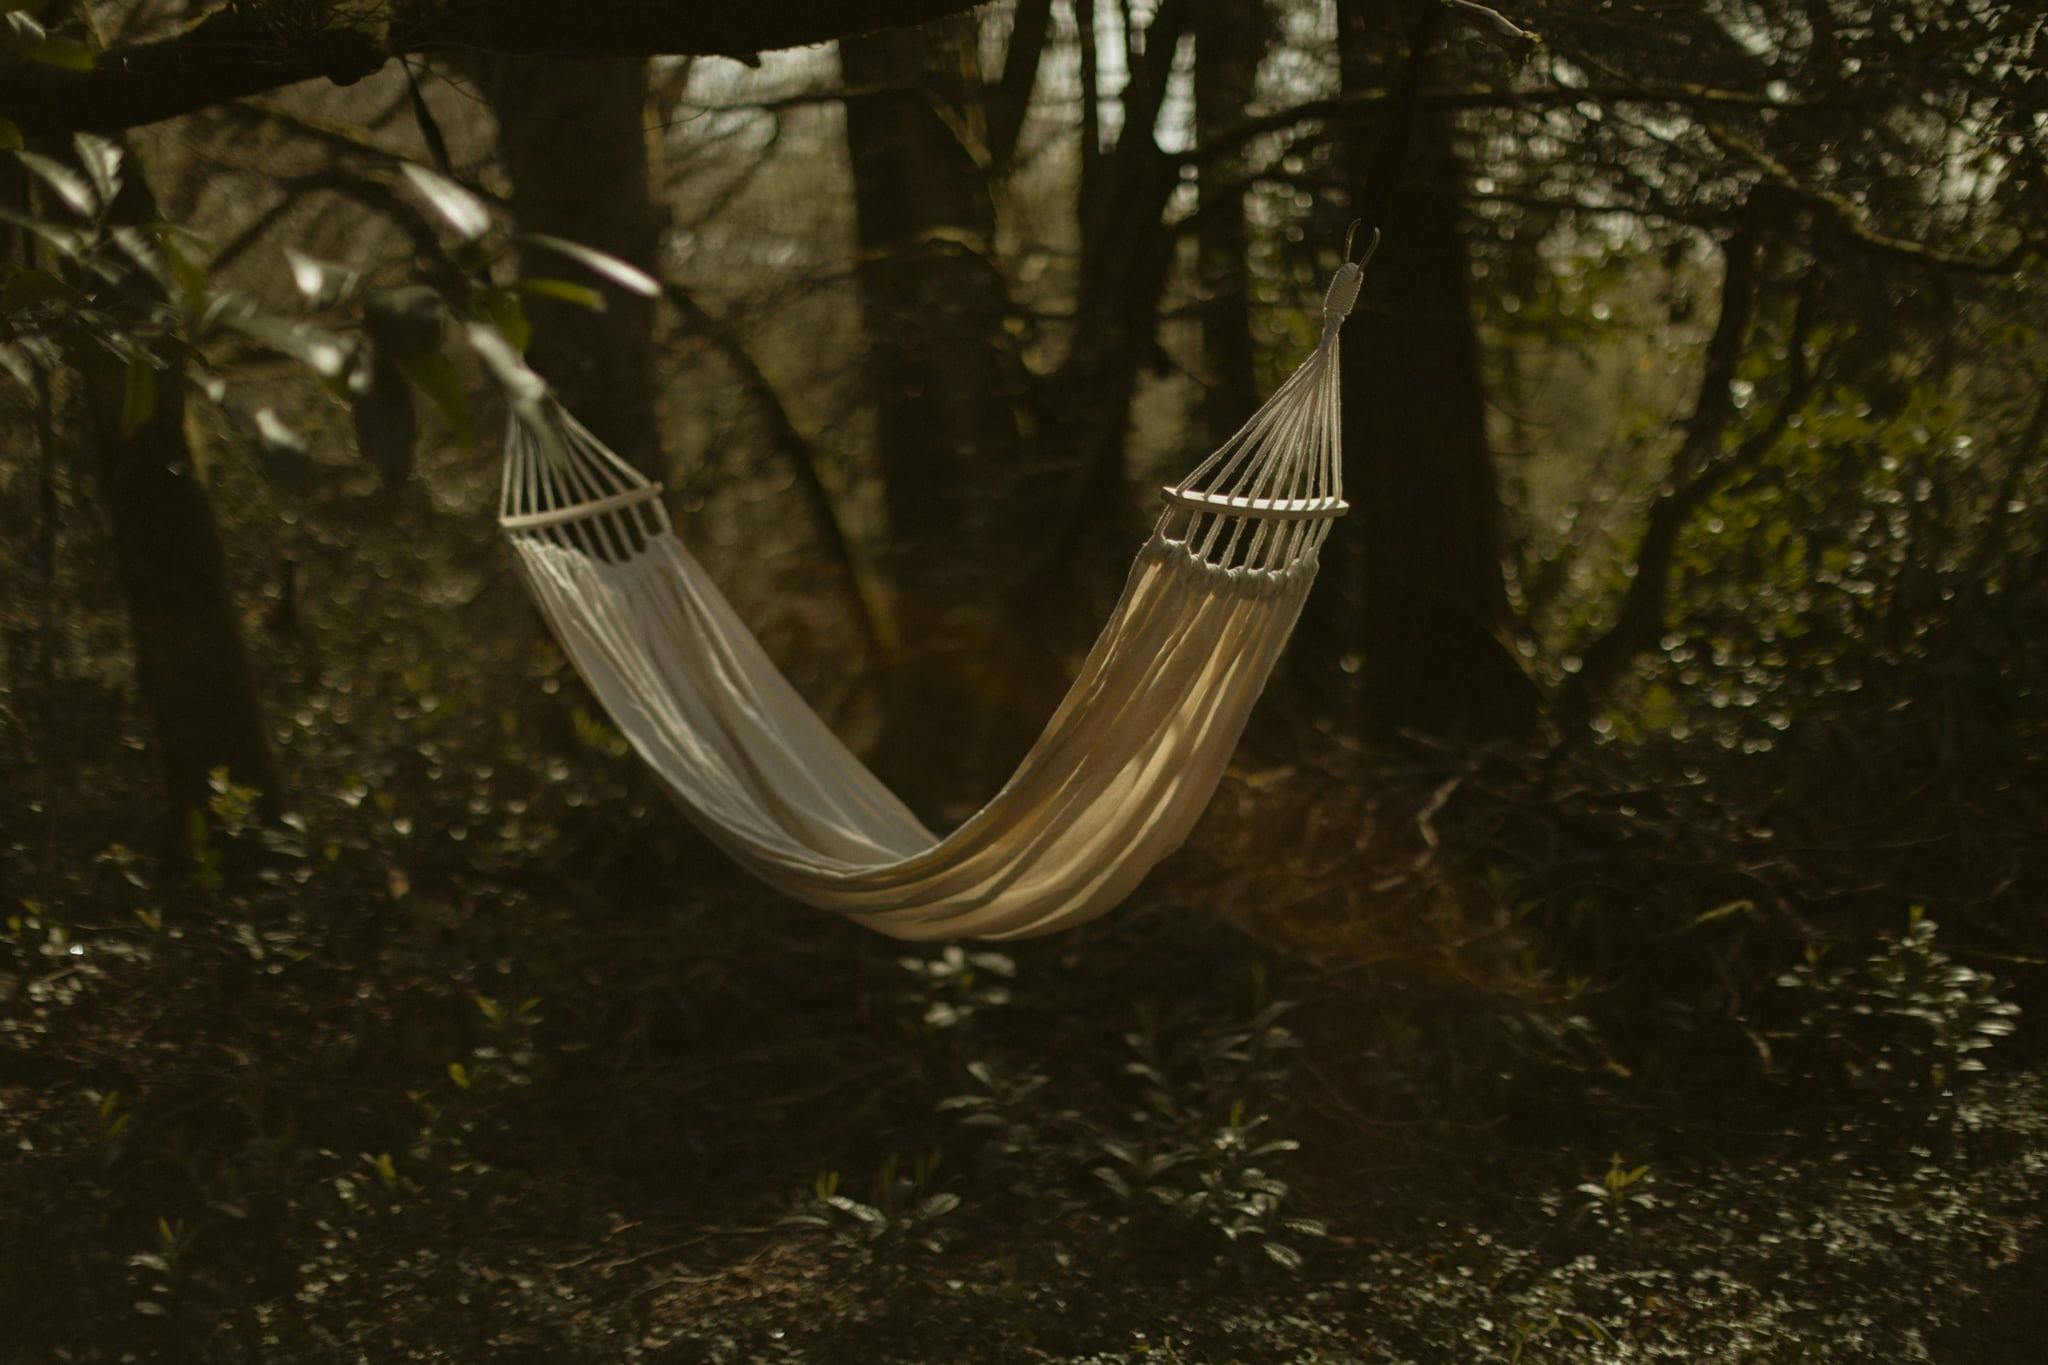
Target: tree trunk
{"type": "Point", "coordinates": [190, 661]}
{"type": "Point", "coordinates": [189, 657]}
{"type": "Point", "coordinates": [1230, 40]}
{"type": "Point", "coordinates": [1413, 589]}
{"type": "Point", "coordinates": [969, 690]}
{"type": "Point", "coordinates": [1084, 407]}
{"type": "Point", "coordinates": [572, 133]}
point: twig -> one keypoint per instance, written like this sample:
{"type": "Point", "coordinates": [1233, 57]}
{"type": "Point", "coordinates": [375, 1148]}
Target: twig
{"type": "Point", "coordinates": [1516, 37]}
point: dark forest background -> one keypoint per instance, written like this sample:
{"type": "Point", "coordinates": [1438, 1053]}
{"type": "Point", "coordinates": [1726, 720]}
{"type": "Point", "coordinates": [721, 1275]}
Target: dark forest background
{"type": "Point", "coordinates": [1614, 941]}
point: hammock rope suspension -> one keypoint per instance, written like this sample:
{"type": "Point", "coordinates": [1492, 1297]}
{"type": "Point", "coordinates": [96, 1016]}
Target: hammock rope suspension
{"type": "Point", "coordinates": [1123, 769]}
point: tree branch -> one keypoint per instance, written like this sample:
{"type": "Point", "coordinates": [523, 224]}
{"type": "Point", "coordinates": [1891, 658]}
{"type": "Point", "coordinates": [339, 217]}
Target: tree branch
{"type": "Point", "coordinates": [1852, 222]}
{"type": "Point", "coordinates": [1640, 620]}
{"type": "Point", "coordinates": [875, 617]}
{"type": "Point", "coordinates": [1010, 98]}
{"type": "Point", "coordinates": [259, 45]}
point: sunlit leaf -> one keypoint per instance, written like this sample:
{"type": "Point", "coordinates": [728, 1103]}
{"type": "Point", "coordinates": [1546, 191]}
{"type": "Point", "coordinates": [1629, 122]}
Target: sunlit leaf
{"type": "Point", "coordinates": [522, 386]}
{"type": "Point", "coordinates": [23, 33]}
{"type": "Point", "coordinates": [322, 282]}
{"type": "Point", "coordinates": [65, 241]}
{"type": "Point", "coordinates": [287, 460]}
{"type": "Point", "coordinates": [137, 247]}
{"type": "Point", "coordinates": [322, 351]}
{"type": "Point", "coordinates": [582, 295]}
{"type": "Point", "coordinates": [102, 161]}
{"type": "Point", "coordinates": [463, 211]}
{"type": "Point", "coordinates": [598, 262]}
{"type": "Point", "coordinates": [68, 184]}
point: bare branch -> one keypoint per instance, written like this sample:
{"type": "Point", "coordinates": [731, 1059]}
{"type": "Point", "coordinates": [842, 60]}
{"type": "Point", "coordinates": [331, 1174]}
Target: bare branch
{"type": "Point", "coordinates": [1010, 98]}
{"type": "Point", "coordinates": [1499, 26]}
{"type": "Point", "coordinates": [1694, 473]}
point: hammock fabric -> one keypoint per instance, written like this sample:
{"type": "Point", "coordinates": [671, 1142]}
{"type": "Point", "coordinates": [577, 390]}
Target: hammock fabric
{"type": "Point", "coordinates": [1123, 769]}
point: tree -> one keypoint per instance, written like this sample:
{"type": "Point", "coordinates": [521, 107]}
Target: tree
{"type": "Point", "coordinates": [1415, 589]}
{"type": "Point", "coordinates": [1230, 40]}
{"type": "Point", "coordinates": [949, 393]}
{"type": "Point", "coordinates": [190, 660]}
{"type": "Point", "coordinates": [572, 133]}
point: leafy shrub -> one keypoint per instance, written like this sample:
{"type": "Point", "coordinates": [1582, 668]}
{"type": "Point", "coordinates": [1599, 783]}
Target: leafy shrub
{"type": "Point", "coordinates": [1904, 1024]}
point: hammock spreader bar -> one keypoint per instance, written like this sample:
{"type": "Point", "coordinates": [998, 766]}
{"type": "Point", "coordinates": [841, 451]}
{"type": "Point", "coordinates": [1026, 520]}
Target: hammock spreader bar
{"type": "Point", "coordinates": [1123, 769]}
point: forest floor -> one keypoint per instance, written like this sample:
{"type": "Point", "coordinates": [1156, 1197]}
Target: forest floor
{"type": "Point", "coordinates": [586, 1123]}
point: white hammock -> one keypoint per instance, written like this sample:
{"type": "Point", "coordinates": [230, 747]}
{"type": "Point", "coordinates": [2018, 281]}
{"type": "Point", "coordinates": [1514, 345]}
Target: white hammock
{"type": "Point", "coordinates": [1123, 770]}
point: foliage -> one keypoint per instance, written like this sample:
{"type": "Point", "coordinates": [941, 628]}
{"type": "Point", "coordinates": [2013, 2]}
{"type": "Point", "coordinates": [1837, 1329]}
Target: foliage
{"type": "Point", "coordinates": [1185, 1153]}
{"type": "Point", "coordinates": [1905, 1024]}
{"type": "Point", "coordinates": [137, 294]}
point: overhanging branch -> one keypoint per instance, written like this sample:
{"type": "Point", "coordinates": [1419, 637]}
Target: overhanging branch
{"type": "Point", "coordinates": [260, 45]}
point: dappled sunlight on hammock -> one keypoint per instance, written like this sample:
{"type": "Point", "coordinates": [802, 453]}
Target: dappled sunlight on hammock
{"type": "Point", "coordinates": [1123, 769]}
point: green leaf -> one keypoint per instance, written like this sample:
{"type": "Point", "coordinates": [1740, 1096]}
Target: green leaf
{"type": "Point", "coordinates": [138, 401]}
{"type": "Point", "coordinates": [463, 211]}
{"type": "Point", "coordinates": [505, 312]}
{"type": "Point", "coordinates": [598, 262]}
{"type": "Point", "coordinates": [66, 54]}
{"type": "Point", "coordinates": [10, 136]}
{"type": "Point", "coordinates": [436, 377]}
{"type": "Point", "coordinates": [1736, 907]}
{"type": "Point", "coordinates": [189, 274]}
{"type": "Point", "coordinates": [582, 295]}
